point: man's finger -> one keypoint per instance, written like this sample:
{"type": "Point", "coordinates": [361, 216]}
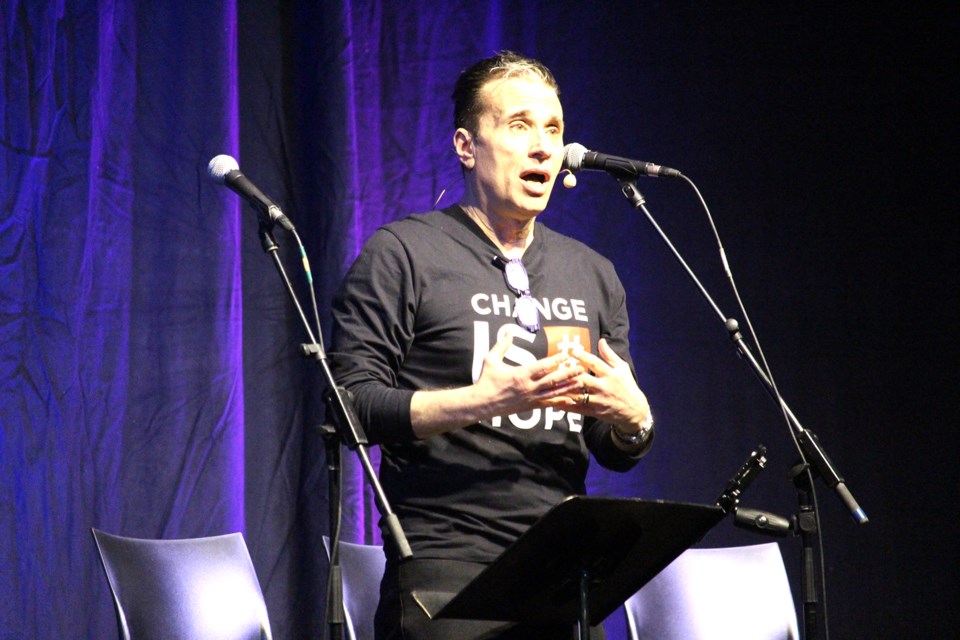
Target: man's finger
{"type": "Point", "coordinates": [588, 360]}
{"type": "Point", "coordinates": [562, 375]}
{"type": "Point", "coordinates": [544, 367]}
{"type": "Point", "coordinates": [608, 354]}
{"type": "Point", "coordinates": [499, 350]}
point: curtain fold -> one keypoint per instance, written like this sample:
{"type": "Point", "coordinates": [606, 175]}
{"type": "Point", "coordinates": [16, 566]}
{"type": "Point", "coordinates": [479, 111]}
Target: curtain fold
{"type": "Point", "coordinates": [120, 324]}
{"type": "Point", "coordinates": [150, 377]}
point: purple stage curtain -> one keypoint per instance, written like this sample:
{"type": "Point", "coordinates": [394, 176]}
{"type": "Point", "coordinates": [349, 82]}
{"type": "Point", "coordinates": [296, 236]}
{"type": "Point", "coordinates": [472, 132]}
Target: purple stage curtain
{"type": "Point", "coordinates": [121, 387]}
{"type": "Point", "coordinates": [150, 377]}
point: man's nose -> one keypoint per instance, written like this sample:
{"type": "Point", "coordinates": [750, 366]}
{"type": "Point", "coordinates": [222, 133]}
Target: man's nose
{"type": "Point", "coordinates": [540, 144]}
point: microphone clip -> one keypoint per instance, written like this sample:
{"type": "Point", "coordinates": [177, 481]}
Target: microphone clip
{"type": "Point", "coordinates": [729, 500]}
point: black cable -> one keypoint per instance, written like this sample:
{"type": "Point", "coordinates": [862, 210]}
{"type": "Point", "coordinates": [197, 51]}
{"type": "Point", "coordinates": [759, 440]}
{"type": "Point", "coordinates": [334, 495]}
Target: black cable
{"type": "Point", "coordinates": [776, 392]}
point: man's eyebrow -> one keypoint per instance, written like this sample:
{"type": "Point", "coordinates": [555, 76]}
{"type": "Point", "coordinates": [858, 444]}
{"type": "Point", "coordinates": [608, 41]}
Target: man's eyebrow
{"type": "Point", "coordinates": [520, 113]}
{"type": "Point", "coordinates": [525, 114]}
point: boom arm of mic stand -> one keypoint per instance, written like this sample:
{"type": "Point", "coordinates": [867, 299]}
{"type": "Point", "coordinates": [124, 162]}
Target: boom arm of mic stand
{"type": "Point", "coordinates": [813, 452]}
{"type": "Point", "coordinates": [810, 446]}
{"type": "Point", "coordinates": [348, 425]}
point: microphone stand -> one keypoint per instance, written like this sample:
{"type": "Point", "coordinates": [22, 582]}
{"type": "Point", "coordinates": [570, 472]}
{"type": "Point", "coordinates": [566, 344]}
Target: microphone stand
{"type": "Point", "coordinates": [814, 460]}
{"type": "Point", "coordinates": [769, 524]}
{"type": "Point", "coordinates": [349, 432]}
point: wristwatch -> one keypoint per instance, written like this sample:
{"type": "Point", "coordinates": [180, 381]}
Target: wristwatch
{"type": "Point", "coordinates": [640, 436]}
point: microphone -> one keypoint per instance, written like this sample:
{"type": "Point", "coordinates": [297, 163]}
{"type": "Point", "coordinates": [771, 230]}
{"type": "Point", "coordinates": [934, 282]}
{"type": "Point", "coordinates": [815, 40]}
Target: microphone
{"type": "Point", "coordinates": [223, 169]}
{"type": "Point", "coordinates": [576, 157]}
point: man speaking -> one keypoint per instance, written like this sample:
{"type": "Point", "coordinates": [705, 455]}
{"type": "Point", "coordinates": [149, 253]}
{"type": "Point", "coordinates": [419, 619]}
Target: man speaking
{"type": "Point", "coordinates": [487, 355]}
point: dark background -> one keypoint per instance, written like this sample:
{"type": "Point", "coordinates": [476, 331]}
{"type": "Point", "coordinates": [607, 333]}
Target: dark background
{"type": "Point", "coordinates": [149, 379]}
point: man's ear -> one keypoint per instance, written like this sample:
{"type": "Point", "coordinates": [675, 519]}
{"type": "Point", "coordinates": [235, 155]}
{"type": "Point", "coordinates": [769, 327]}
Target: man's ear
{"type": "Point", "coordinates": [463, 144]}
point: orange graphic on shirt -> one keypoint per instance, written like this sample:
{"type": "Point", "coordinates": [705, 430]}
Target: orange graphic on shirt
{"type": "Point", "coordinates": [567, 339]}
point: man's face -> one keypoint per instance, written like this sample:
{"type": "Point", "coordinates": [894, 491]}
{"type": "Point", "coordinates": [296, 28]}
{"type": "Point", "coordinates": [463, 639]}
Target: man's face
{"type": "Point", "coordinates": [517, 151]}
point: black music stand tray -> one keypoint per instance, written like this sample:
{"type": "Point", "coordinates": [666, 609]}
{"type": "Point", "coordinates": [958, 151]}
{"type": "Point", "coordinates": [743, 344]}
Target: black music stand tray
{"type": "Point", "coordinates": [579, 562]}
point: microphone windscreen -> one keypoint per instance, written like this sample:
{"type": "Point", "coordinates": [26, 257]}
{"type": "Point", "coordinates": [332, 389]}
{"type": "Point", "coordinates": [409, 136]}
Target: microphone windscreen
{"type": "Point", "coordinates": [573, 156]}
{"type": "Point", "coordinates": [220, 166]}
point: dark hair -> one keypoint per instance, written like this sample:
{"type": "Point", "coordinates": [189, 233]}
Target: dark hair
{"type": "Point", "coordinates": [467, 104]}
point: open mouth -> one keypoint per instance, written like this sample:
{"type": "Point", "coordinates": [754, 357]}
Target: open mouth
{"type": "Point", "coordinates": [540, 177]}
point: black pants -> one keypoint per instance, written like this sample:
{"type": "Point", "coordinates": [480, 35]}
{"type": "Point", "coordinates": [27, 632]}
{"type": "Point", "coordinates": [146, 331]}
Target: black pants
{"type": "Point", "coordinates": [400, 617]}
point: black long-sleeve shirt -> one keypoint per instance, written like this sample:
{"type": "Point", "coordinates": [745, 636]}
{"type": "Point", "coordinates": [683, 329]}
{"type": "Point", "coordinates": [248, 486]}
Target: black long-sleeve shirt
{"type": "Point", "coordinates": [419, 309]}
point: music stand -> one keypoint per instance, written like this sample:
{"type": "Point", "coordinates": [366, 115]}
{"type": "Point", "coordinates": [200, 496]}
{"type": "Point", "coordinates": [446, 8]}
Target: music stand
{"type": "Point", "coordinates": [579, 562]}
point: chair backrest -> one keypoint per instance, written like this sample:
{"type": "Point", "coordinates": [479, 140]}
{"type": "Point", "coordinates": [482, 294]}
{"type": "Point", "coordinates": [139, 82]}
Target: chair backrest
{"type": "Point", "coordinates": [733, 592]}
{"type": "Point", "coordinates": [193, 589]}
{"type": "Point", "coordinates": [361, 567]}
